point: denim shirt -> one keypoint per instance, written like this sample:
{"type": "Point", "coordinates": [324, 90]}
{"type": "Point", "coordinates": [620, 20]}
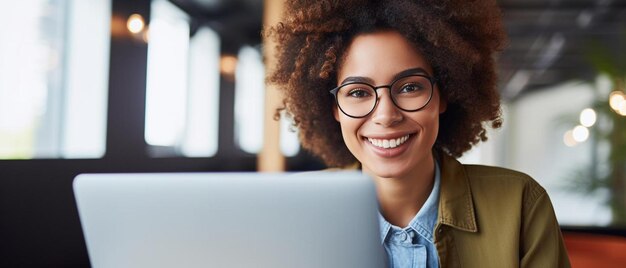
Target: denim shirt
{"type": "Point", "coordinates": [413, 246]}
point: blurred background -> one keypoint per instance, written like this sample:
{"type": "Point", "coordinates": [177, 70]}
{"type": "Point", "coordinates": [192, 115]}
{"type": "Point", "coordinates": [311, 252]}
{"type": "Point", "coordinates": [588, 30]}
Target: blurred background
{"type": "Point", "coordinates": [178, 85]}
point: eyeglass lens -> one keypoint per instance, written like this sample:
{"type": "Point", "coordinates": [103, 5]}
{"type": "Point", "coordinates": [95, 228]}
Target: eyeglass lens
{"type": "Point", "coordinates": [409, 93]}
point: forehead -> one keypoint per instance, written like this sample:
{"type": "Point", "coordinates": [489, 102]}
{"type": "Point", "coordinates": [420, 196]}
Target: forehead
{"type": "Point", "coordinates": [380, 56]}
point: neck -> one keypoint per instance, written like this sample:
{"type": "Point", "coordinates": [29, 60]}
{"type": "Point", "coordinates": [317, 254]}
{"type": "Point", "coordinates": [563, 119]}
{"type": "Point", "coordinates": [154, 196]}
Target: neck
{"type": "Point", "coordinates": [401, 198]}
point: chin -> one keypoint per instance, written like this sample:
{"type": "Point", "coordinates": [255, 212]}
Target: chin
{"type": "Point", "coordinates": [387, 171]}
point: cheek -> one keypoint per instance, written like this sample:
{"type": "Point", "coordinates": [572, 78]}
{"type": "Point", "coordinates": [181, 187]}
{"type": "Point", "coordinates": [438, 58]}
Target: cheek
{"type": "Point", "coordinates": [432, 114]}
{"type": "Point", "coordinates": [432, 125]}
{"type": "Point", "coordinates": [349, 129]}
{"type": "Point", "coordinates": [428, 121]}
{"type": "Point", "coordinates": [351, 140]}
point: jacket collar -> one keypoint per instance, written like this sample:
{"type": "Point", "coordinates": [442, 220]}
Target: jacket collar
{"type": "Point", "coordinates": [456, 205]}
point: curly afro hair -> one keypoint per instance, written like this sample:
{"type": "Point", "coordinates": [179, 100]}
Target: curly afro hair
{"type": "Point", "coordinates": [457, 37]}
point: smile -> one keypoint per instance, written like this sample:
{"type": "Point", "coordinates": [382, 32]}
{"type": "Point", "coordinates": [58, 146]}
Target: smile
{"type": "Point", "coordinates": [388, 143]}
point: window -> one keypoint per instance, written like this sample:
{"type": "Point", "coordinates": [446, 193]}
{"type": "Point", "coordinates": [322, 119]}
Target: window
{"type": "Point", "coordinates": [182, 95]}
{"type": "Point", "coordinates": [249, 99]}
{"type": "Point", "coordinates": [249, 109]}
{"type": "Point", "coordinates": [53, 78]}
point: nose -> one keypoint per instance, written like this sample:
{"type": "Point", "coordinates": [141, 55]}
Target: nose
{"type": "Point", "coordinates": [386, 113]}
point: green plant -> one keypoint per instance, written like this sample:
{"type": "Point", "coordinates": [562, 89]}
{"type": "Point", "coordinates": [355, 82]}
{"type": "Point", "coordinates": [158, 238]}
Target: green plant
{"type": "Point", "coordinates": [613, 64]}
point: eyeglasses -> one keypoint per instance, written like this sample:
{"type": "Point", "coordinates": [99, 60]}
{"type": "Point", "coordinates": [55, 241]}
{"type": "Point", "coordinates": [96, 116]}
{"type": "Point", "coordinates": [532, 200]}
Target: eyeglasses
{"type": "Point", "coordinates": [409, 93]}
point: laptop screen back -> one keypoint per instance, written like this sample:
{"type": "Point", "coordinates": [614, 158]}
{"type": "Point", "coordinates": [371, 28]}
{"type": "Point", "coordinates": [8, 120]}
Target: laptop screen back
{"type": "Point", "coordinates": [316, 219]}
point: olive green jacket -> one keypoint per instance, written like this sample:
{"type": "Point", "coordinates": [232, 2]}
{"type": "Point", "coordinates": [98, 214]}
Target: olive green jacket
{"type": "Point", "coordinates": [495, 217]}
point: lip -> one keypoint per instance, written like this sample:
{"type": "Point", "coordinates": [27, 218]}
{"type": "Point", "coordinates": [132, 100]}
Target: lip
{"type": "Point", "coordinates": [389, 152]}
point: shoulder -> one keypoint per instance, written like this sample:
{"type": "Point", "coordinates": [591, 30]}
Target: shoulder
{"type": "Point", "coordinates": [503, 182]}
{"type": "Point", "coordinates": [491, 173]}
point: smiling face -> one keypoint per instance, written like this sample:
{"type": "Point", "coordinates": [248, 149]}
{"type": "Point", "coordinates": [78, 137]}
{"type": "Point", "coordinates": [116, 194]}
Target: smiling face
{"type": "Point", "coordinates": [389, 142]}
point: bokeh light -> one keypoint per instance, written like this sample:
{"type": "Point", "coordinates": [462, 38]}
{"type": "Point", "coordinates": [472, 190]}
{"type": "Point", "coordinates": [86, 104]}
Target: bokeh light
{"type": "Point", "coordinates": [135, 23]}
{"type": "Point", "coordinates": [228, 65]}
{"type": "Point", "coordinates": [580, 133]}
{"type": "Point", "coordinates": [622, 109]}
{"type": "Point", "coordinates": [617, 101]}
{"type": "Point", "coordinates": [588, 117]}
{"type": "Point", "coordinates": [568, 139]}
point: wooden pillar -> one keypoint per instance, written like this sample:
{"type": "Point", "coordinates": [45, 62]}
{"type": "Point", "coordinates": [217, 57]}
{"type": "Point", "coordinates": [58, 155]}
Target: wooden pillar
{"type": "Point", "coordinates": [271, 159]}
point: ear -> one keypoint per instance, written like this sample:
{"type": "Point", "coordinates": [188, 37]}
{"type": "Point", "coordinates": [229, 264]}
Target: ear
{"type": "Point", "coordinates": [443, 105]}
{"type": "Point", "coordinates": [336, 112]}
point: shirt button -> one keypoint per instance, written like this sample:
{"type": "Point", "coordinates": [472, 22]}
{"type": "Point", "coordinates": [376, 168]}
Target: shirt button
{"type": "Point", "coordinates": [404, 236]}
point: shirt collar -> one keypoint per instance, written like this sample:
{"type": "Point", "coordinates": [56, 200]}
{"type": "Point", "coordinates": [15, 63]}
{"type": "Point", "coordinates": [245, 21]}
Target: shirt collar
{"type": "Point", "coordinates": [456, 208]}
{"type": "Point", "coordinates": [425, 220]}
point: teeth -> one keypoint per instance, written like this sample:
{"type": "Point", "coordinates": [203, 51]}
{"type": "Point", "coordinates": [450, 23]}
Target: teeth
{"type": "Point", "coordinates": [392, 143]}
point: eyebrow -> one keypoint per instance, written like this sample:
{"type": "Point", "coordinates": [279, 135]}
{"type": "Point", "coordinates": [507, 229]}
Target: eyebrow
{"type": "Point", "coordinates": [362, 79]}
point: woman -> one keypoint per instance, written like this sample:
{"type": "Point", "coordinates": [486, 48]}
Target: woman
{"type": "Point", "coordinates": [402, 88]}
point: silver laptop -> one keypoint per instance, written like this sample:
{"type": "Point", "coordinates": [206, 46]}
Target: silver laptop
{"type": "Point", "coordinates": [316, 219]}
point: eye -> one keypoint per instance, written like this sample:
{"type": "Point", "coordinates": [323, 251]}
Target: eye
{"type": "Point", "coordinates": [410, 87]}
{"type": "Point", "coordinates": [359, 93]}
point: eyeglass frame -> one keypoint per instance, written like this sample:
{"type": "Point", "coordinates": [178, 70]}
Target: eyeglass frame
{"type": "Point", "coordinates": [430, 79]}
